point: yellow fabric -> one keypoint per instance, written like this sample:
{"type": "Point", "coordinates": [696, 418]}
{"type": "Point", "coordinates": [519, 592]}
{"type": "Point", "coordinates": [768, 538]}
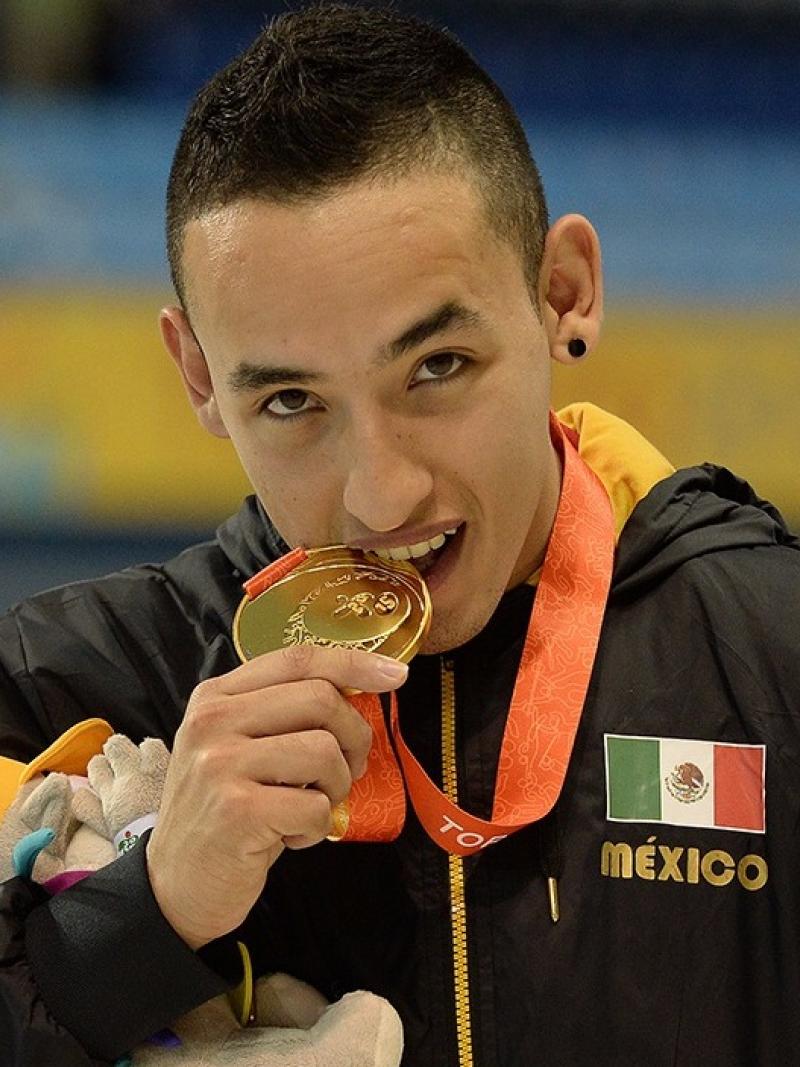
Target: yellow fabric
{"type": "Point", "coordinates": [70, 753]}
{"type": "Point", "coordinates": [241, 998]}
{"type": "Point", "coordinates": [624, 461]}
{"type": "Point", "coordinates": [10, 772]}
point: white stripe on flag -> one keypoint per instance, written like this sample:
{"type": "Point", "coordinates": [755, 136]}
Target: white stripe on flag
{"type": "Point", "coordinates": [692, 806]}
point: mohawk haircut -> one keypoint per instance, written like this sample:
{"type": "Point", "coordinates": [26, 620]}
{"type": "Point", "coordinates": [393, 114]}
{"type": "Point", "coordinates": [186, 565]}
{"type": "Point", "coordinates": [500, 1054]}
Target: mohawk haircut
{"type": "Point", "coordinates": [333, 93]}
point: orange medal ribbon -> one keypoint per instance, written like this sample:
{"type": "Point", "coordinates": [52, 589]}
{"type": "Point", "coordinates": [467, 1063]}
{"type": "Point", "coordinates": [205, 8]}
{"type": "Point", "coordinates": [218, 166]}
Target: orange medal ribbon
{"type": "Point", "coordinates": [549, 693]}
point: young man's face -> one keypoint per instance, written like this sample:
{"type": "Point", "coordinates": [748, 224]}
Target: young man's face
{"type": "Point", "coordinates": [377, 361]}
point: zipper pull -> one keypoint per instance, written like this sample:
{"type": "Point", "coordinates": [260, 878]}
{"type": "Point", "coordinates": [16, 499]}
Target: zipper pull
{"type": "Point", "coordinates": [550, 859]}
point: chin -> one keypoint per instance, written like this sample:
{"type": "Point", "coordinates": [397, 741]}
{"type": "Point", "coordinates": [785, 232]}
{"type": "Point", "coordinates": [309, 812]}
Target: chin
{"type": "Point", "coordinates": [444, 636]}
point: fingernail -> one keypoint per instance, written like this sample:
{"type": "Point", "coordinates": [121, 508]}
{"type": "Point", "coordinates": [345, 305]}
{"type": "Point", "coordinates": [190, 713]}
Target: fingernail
{"type": "Point", "coordinates": [391, 669]}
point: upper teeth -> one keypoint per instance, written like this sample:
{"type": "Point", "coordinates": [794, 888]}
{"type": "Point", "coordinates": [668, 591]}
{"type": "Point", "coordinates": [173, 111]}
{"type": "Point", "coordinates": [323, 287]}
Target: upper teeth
{"type": "Point", "coordinates": [413, 551]}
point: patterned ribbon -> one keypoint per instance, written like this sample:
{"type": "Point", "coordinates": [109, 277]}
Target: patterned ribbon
{"type": "Point", "coordinates": [548, 698]}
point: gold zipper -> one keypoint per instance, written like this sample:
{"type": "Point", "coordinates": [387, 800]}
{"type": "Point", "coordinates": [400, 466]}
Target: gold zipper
{"type": "Point", "coordinates": [458, 904]}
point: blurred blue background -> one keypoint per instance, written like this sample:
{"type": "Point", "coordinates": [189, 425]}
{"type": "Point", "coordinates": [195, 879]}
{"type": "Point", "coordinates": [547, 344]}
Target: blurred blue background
{"type": "Point", "coordinates": [674, 126]}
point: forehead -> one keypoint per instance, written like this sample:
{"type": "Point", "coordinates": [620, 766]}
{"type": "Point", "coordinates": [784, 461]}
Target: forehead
{"type": "Point", "coordinates": [388, 200]}
{"type": "Point", "coordinates": [429, 215]}
{"type": "Point", "coordinates": [344, 271]}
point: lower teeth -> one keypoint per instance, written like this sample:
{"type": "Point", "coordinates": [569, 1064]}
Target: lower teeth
{"type": "Point", "coordinates": [424, 563]}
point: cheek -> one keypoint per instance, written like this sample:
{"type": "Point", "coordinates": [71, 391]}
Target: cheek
{"type": "Point", "coordinates": [503, 443]}
{"type": "Point", "coordinates": [298, 496]}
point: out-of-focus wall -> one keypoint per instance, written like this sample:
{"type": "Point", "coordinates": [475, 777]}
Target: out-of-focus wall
{"type": "Point", "coordinates": [674, 127]}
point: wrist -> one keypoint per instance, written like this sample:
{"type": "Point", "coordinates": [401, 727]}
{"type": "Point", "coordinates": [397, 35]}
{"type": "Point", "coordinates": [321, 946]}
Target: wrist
{"type": "Point", "coordinates": [185, 931]}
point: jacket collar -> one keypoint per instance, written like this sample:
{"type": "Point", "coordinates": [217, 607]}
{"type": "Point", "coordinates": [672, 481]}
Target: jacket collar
{"type": "Point", "coordinates": [249, 539]}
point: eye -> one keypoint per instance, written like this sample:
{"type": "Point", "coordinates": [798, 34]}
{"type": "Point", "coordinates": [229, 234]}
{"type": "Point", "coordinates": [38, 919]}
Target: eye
{"type": "Point", "coordinates": [289, 403]}
{"type": "Point", "coordinates": [438, 368]}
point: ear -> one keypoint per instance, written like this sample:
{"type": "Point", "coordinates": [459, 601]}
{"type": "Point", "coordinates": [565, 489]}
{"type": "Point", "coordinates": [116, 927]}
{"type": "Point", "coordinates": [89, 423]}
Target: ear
{"type": "Point", "coordinates": [571, 286]}
{"type": "Point", "coordinates": [182, 345]}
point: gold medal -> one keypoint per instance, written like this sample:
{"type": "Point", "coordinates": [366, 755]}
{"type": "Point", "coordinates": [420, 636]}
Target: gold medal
{"type": "Point", "coordinates": [334, 597]}
{"type": "Point", "coordinates": [338, 596]}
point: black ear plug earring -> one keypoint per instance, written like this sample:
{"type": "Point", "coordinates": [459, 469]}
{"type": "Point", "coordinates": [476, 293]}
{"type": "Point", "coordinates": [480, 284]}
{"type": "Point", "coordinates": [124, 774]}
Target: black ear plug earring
{"type": "Point", "coordinates": [577, 347]}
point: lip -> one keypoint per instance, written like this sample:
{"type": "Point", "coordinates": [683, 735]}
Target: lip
{"type": "Point", "coordinates": [447, 561]}
{"type": "Point", "coordinates": [406, 537]}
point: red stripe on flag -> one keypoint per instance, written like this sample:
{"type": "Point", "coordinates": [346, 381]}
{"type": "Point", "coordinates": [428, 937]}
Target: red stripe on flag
{"type": "Point", "coordinates": [739, 787]}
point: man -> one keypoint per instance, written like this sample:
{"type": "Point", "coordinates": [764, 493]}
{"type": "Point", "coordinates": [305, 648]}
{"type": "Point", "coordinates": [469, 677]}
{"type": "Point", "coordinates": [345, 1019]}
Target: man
{"type": "Point", "coordinates": [369, 300]}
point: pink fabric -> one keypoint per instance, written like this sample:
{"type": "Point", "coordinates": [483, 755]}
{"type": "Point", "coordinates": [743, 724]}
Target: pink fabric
{"type": "Point", "coordinates": [60, 882]}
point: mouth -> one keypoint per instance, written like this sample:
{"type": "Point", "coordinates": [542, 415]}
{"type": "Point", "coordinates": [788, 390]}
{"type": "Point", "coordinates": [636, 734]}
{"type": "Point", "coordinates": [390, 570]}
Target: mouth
{"type": "Point", "coordinates": [431, 558]}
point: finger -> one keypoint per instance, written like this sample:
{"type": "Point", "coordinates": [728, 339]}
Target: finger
{"type": "Point", "coordinates": [122, 754]}
{"type": "Point", "coordinates": [346, 668]}
{"type": "Point", "coordinates": [154, 757]}
{"type": "Point", "coordinates": [312, 758]}
{"type": "Point", "coordinates": [298, 841]}
{"type": "Point", "coordinates": [298, 706]}
{"type": "Point", "coordinates": [288, 708]}
{"type": "Point", "coordinates": [101, 777]}
{"type": "Point", "coordinates": [291, 814]}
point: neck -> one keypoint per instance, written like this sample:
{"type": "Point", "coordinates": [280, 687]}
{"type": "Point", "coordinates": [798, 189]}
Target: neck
{"type": "Point", "coordinates": [533, 552]}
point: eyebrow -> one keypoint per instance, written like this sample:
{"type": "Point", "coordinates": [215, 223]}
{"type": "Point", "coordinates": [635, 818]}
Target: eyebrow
{"type": "Point", "coordinates": [250, 377]}
{"type": "Point", "coordinates": [448, 316]}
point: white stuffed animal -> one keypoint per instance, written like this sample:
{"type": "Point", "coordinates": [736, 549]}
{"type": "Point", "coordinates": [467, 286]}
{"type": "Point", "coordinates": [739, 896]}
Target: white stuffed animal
{"type": "Point", "coordinates": [60, 828]}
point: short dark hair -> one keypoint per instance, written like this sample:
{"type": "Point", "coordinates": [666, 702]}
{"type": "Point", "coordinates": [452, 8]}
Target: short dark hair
{"type": "Point", "coordinates": [332, 93]}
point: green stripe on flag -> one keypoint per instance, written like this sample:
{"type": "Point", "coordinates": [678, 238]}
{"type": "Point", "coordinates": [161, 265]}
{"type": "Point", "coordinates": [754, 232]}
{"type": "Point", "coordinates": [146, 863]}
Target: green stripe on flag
{"type": "Point", "coordinates": [634, 787]}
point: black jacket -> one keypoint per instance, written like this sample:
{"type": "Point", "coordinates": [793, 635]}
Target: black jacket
{"type": "Point", "coordinates": [700, 640]}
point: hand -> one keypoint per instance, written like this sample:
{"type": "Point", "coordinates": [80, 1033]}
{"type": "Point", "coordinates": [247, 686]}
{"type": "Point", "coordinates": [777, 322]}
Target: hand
{"type": "Point", "coordinates": [262, 755]}
{"type": "Point", "coordinates": [128, 779]}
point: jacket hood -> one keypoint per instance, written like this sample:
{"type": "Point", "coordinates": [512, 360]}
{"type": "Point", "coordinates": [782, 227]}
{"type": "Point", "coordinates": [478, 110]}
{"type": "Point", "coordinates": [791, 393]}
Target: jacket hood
{"type": "Point", "coordinates": [693, 512]}
{"type": "Point", "coordinates": [249, 539]}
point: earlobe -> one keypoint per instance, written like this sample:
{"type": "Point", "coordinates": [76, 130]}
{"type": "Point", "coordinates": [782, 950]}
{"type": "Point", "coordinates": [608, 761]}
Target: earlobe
{"type": "Point", "coordinates": [180, 341]}
{"type": "Point", "coordinates": [571, 288]}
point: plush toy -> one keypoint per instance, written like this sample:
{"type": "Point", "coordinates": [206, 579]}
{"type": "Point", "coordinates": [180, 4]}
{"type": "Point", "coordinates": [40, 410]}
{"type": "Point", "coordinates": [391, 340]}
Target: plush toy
{"type": "Point", "coordinates": [61, 827]}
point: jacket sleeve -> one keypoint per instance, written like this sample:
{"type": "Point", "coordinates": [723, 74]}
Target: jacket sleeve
{"type": "Point", "coordinates": [89, 974]}
{"type": "Point", "coordinates": [121, 649]}
{"type": "Point", "coordinates": [24, 729]}
{"type": "Point", "coordinates": [28, 1033]}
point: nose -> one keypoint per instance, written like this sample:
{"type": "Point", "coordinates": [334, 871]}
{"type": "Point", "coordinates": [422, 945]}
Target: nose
{"type": "Point", "coordinates": [386, 481]}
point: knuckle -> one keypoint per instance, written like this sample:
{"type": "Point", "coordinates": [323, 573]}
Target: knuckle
{"type": "Point", "coordinates": [318, 813]}
{"type": "Point", "coordinates": [353, 661]}
{"type": "Point", "coordinates": [211, 764]}
{"type": "Point", "coordinates": [322, 694]}
{"type": "Point", "coordinates": [206, 690]}
{"type": "Point", "coordinates": [324, 747]}
{"type": "Point", "coordinates": [233, 804]}
{"type": "Point", "coordinates": [204, 716]}
{"type": "Point", "coordinates": [299, 658]}
{"type": "Point", "coordinates": [341, 791]}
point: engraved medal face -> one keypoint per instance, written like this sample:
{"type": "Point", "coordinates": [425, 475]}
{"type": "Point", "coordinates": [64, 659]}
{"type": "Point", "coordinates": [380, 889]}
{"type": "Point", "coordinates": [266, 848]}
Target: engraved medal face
{"type": "Point", "coordinates": [338, 596]}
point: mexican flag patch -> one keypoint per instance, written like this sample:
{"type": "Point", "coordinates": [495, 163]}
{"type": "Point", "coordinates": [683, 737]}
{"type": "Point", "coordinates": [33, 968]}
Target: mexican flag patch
{"type": "Point", "coordinates": [682, 782]}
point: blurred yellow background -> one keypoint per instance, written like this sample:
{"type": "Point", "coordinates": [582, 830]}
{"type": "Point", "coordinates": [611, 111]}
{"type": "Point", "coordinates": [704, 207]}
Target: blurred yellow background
{"type": "Point", "coordinates": [674, 127]}
{"type": "Point", "coordinates": [88, 371]}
